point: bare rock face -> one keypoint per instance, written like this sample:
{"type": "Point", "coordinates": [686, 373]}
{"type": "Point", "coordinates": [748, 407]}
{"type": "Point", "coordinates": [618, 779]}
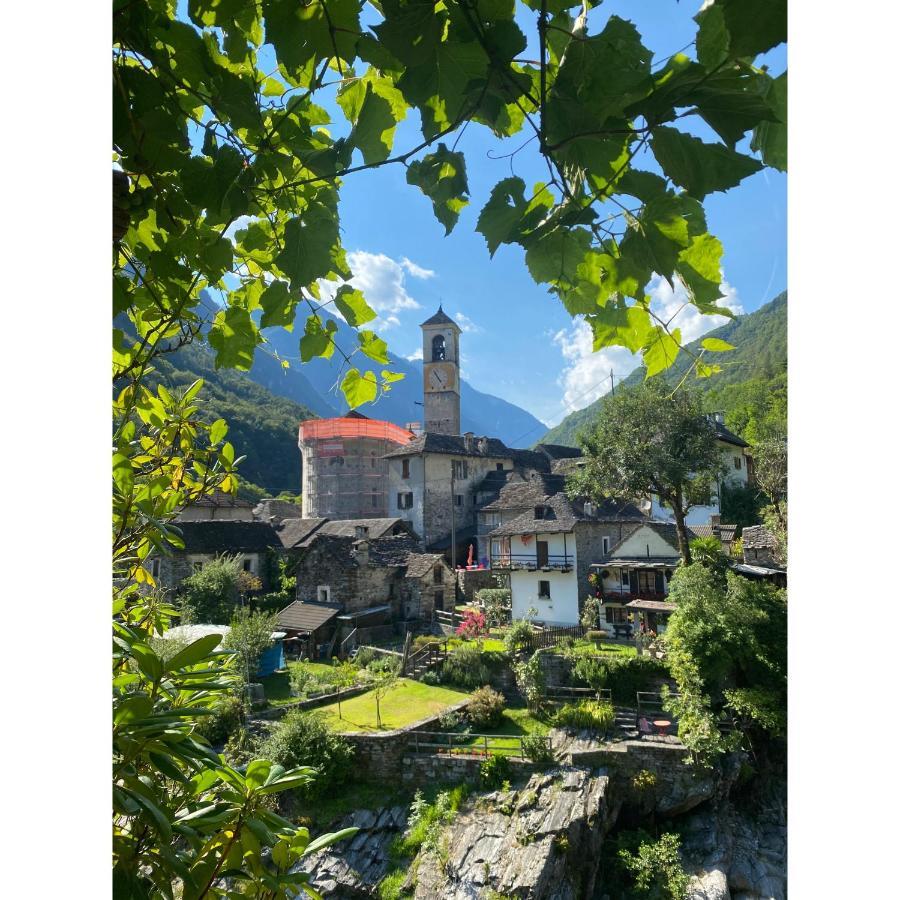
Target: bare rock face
{"type": "Point", "coordinates": [541, 841]}
{"type": "Point", "coordinates": [736, 857]}
{"type": "Point", "coordinates": [352, 869]}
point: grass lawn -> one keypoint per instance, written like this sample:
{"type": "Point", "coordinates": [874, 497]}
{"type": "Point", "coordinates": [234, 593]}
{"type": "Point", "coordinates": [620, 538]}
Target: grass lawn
{"type": "Point", "coordinates": [488, 644]}
{"type": "Point", "coordinates": [516, 721]}
{"type": "Point", "coordinates": [407, 702]}
{"type": "Point", "coordinates": [589, 648]}
{"type": "Point", "coordinates": [278, 685]}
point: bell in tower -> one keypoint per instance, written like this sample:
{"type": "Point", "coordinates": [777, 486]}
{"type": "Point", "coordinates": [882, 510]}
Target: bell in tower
{"type": "Point", "coordinates": [440, 353]}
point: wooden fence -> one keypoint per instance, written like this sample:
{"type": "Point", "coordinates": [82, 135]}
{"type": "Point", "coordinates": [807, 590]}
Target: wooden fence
{"type": "Point", "coordinates": [579, 693]}
{"type": "Point", "coordinates": [550, 635]}
{"type": "Point", "coordinates": [473, 744]}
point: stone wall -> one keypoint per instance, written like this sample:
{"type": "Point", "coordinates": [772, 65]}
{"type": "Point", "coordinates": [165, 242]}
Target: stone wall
{"type": "Point", "coordinates": [426, 769]}
{"type": "Point", "coordinates": [589, 542]}
{"type": "Point", "coordinates": [472, 581]}
{"type": "Point", "coordinates": [278, 712]}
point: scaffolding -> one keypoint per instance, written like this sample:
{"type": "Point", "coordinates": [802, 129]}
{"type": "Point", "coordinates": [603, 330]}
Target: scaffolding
{"type": "Point", "coordinates": [344, 473]}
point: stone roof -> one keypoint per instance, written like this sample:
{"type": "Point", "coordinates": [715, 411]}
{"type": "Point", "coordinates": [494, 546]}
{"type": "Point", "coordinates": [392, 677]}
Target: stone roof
{"type": "Point", "coordinates": [347, 527]}
{"type": "Point", "coordinates": [723, 434]}
{"type": "Point", "coordinates": [388, 552]}
{"type": "Point", "coordinates": [558, 451]}
{"type": "Point", "coordinates": [440, 318]}
{"type": "Point", "coordinates": [725, 533]}
{"type": "Point", "coordinates": [558, 516]}
{"type": "Point", "coordinates": [666, 530]}
{"type": "Point", "coordinates": [421, 565]}
{"type": "Point", "coordinates": [293, 532]}
{"type": "Point", "coordinates": [221, 499]}
{"type": "Point", "coordinates": [304, 615]}
{"type": "Point", "coordinates": [226, 536]}
{"type": "Point", "coordinates": [758, 537]}
{"type": "Point", "coordinates": [280, 509]}
{"type": "Point", "coordinates": [452, 445]}
{"type": "Point", "coordinates": [531, 459]}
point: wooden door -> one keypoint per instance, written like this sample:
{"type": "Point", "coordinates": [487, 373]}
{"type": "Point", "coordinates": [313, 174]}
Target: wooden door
{"type": "Point", "coordinates": [543, 553]}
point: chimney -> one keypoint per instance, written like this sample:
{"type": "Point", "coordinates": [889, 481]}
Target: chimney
{"type": "Point", "coordinates": [482, 445]}
{"type": "Point", "coordinates": [362, 532]}
{"type": "Point", "coordinates": [469, 440]}
{"type": "Point", "coordinates": [362, 553]}
{"type": "Point", "coordinates": [715, 521]}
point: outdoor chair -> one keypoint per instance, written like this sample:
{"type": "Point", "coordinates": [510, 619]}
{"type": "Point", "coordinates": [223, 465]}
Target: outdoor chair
{"type": "Point", "coordinates": [644, 727]}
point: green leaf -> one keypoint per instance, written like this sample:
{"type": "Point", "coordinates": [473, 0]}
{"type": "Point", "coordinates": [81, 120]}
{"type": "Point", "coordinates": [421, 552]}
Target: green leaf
{"type": "Point", "coordinates": [133, 709]}
{"type": "Point", "coordinates": [770, 138]}
{"type": "Point", "coordinates": [123, 475]}
{"type": "Point", "coordinates": [698, 167]}
{"type": "Point", "coordinates": [700, 267]}
{"type": "Point", "coordinates": [278, 306]}
{"type": "Point", "coordinates": [754, 26]}
{"type": "Point", "coordinates": [359, 389]}
{"type": "Point", "coordinates": [502, 220]}
{"type": "Point", "coordinates": [716, 345]}
{"type": "Point", "coordinates": [712, 37]}
{"type": "Point", "coordinates": [194, 652]}
{"type": "Point", "coordinates": [556, 256]}
{"type": "Point", "coordinates": [257, 772]}
{"type": "Point", "coordinates": [217, 431]}
{"type": "Point", "coordinates": [234, 337]}
{"type": "Point", "coordinates": [352, 306]}
{"type": "Point", "coordinates": [311, 243]}
{"type": "Point", "coordinates": [442, 178]}
{"type": "Point", "coordinates": [661, 350]}
{"type": "Point", "coordinates": [148, 662]}
{"type": "Point", "coordinates": [622, 327]}
{"type": "Point", "coordinates": [390, 377]}
{"type": "Point", "coordinates": [373, 346]}
{"type": "Point", "coordinates": [374, 105]}
{"type": "Point", "coordinates": [318, 339]}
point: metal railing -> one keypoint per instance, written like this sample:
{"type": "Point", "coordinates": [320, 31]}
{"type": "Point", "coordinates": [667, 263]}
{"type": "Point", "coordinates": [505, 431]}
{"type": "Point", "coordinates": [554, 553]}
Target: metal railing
{"type": "Point", "coordinates": [344, 650]}
{"type": "Point", "coordinates": [431, 742]}
{"type": "Point", "coordinates": [530, 562]}
{"type": "Point", "coordinates": [579, 693]}
{"type": "Point", "coordinates": [550, 635]}
{"type": "Point", "coordinates": [426, 658]}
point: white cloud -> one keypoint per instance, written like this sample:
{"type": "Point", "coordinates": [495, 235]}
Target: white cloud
{"type": "Point", "coordinates": [585, 375]}
{"type": "Point", "coordinates": [416, 271]}
{"type": "Point", "coordinates": [383, 283]}
{"type": "Point", "coordinates": [416, 354]}
{"type": "Point", "coordinates": [466, 325]}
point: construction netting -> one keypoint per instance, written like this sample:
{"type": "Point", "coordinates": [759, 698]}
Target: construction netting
{"type": "Point", "coordinates": [345, 427]}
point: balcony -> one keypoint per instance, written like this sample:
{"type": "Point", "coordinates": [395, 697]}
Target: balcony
{"type": "Point", "coordinates": [529, 562]}
{"type": "Point", "coordinates": [613, 596]}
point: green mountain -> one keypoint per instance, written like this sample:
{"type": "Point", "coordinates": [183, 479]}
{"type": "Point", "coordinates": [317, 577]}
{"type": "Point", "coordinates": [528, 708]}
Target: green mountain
{"type": "Point", "coordinates": [751, 389]}
{"type": "Point", "coordinates": [261, 425]}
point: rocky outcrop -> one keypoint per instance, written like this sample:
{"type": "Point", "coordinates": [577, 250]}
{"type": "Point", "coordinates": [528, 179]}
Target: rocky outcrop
{"type": "Point", "coordinates": [541, 841]}
{"type": "Point", "coordinates": [353, 869]}
{"type": "Point", "coordinates": [734, 856]}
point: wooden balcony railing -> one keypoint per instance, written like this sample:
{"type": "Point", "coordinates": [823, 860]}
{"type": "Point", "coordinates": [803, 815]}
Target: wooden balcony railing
{"type": "Point", "coordinates": [529, 562]}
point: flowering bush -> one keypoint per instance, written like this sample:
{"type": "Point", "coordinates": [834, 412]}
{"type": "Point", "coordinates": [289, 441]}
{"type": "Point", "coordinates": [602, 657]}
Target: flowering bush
{"type": "Point", "coordinates": [473, 625]}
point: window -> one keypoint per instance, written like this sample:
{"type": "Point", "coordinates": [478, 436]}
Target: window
{"type": "Point", "coordinates": [362, 531]}
{"type": "Point", "coordinates": [539, 512]}
{"type": "Point", "coordinates": [438, 574]}
{"type": "Point", "coordinates": [197, 565]}
{"type": "Point", "coordinates": [373, 460]}
{"type": "Point", "coordinates": [543, 590]}
{"type": "Point", "coordinates": [615, 616]}
{"type": "Point", "coordinates": [543, 553]}
{"type": "Point", "coordinates": [323, 593]}
{"type": "Point", "coordinates": [438, 348]}
{"type": "Point", "coordinates": [336, 461]}
{"type": "Point", "coordinates": [374, 499]}
{"type": "Point", "coordinates": [405, 472]}
{"type": "Point", "coordinates": [605, 546]}
{"type": "Point", "coordinates": [460, 468]}
{"type": "Point", "coordinates": [248, 565]}
{"type": "Point", "coordinates": [459, 499]}
{"type": "Point", "coordinates": [438, 599]}
{"type": "Point", "coordinates": [625, 579]}
{"type": "Point", "coordinates": [405, 501]}
{"type": "Point", "coordinates": [499, 467]}
{"type": "Point", "coordinates": [737, 462]}
{"type": "Point", "coordinates": [154, 568]}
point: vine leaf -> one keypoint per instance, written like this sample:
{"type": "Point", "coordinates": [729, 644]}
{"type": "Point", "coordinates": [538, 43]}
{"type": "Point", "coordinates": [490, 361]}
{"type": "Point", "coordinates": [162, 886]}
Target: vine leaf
{"type": "Point", "coordinates": [359, 389]}
{"type": "Point", "coordinates": [698, 167]}
{"type": "Point", "coordinates": [441, 176]}
{"type": "Point", "coordinates": [352, 306]}
{"type": "Point", "coordinates": [661, 350]}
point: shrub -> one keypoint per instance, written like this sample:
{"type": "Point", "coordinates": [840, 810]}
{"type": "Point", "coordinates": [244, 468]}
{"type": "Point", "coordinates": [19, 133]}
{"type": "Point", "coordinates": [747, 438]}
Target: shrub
{"type": "Point", "coordinates": [590, 612]}
{"type": "Point", "coordinates": [485, 707]}
{"type": "Point", "coordinates": [391, 886]}
{"type": "Point", "coordinates": [219, 727]}
{"type": "Point", "coordinates": [657, 868]}
{"type": "Point", "coordinates": [426, 821]}
{"type": "Point", "coordinates": [518, 637]}
{"type": "Point", "coordinates": [385, 664]}
{"type": "Point", "coordinates": [643, 780]}
{"type": "Point", "coordinates": [473, 625]}
{"type": "Point", "coordinates": [430, 678]}
{"type": "Point", "coordinates": [497, 603]}
{"type": "Point", "coordinates": [537, 749]}
{"type": "Point", "coordinates": [420, 641]}
{"type": "Point", "coordinates": [592, 672]}
{"type": "Point", "coordinates": [531, 680]}
{"type": "Point", "coordinates": [631, 674]}
{"type": "Point", "coordinates": [211, 595]}
{"type": "Point", "coordinates": [249, 637]}
{"type": "Point", "coordinates": [449, 720]}
{"type": "Point", "coordinates": [466, 668]}
{"type": "Point", "coordinates": [303, 739]}
{"type": "Point", "coordinates": [365, 656]}
{"type": "Point", "coordinates": [596, 636]}
{"type": "Point", "coordinates": [586, 715]}
{"type": "Point", "coordinates": [494, 771]}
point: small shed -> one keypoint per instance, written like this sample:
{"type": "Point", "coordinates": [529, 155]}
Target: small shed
{"type": "Point", "coordinates": [272, 659]}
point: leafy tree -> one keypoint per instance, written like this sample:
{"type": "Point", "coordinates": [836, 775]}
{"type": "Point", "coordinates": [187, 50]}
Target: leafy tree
{"type": "Point", "coordinates": [707, 551]}
{"type": "Point", "coordinates": [211, 595]}
{"type": "Point", "coordinates": [645, 441]}
{"type": "Point", "coordinates": [593, 672]}
{"type": "Point", "coordinates": [770, 471]}
{"type": "Point", "coordinates": [250, 635]}
{"type": "Point", "coordinates": [657, 869]}
{"type": "Point", "coordinates": [727, 651]}
{"type": "Point", "coordinates": [384, 680]}
{"type": "Point", "coordinates": [590, 613]}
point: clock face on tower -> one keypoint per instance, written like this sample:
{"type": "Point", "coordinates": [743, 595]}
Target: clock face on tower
{"type": "Point", "coordinates": [440, 377]}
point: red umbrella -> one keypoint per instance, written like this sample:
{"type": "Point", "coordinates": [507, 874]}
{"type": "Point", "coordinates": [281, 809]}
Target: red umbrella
{"type": "Point", "coordinates": [471, 555]}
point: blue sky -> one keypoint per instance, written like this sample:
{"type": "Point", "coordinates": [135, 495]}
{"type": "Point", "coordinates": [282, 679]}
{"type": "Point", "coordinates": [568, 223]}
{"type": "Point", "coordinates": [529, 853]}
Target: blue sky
{"type": "Point", "coordinates": [518, 342]}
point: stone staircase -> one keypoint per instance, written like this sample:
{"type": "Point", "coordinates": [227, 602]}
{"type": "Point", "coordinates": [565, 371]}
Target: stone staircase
{"type": "Point", "coordinates": [624, 724]}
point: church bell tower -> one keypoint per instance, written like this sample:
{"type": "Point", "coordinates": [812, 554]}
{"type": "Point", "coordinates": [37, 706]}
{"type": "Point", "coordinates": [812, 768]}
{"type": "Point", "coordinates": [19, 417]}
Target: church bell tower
{"type": "Point", "coordinates": [440, 353]}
